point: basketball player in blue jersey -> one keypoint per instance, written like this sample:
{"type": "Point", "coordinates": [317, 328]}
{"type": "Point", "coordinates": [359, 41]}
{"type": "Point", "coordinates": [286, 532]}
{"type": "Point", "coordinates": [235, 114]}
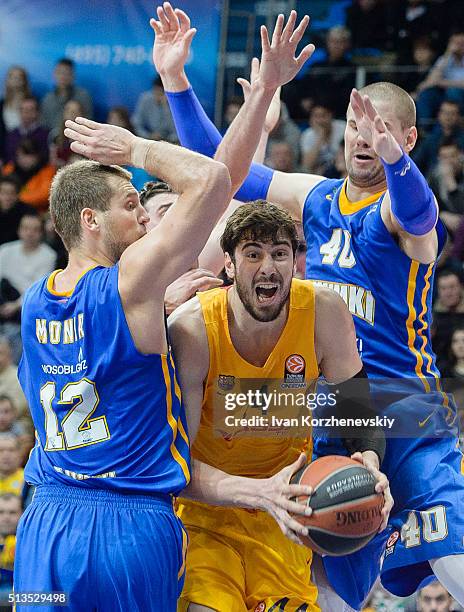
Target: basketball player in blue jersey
{"type": "Point", "coordinates": [112, 446]}
{"type": "Point", "coordinates": [375, 239]}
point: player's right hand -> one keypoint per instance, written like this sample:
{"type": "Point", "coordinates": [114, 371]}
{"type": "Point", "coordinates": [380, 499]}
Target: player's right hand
{"type": "Point", "coordinates": [107, 144]}
{"type": "Point", "coordinates": [173, 37]}
{"type": "Point", "coordinates": [276, 495]}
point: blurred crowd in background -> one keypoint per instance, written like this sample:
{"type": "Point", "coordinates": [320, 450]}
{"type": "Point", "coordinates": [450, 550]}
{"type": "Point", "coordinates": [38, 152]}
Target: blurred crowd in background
{"type": "Point", "coordinates": [417, 44]}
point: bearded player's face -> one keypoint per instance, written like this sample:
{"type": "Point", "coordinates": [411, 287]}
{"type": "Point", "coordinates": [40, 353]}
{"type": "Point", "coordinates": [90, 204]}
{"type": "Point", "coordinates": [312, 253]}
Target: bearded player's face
{"type": "Point", "coordinates": [125, 221]}
{"type": "Point", "coordinates": [363, 165]}
{"type": "Point", "coordinates": [263, 273]}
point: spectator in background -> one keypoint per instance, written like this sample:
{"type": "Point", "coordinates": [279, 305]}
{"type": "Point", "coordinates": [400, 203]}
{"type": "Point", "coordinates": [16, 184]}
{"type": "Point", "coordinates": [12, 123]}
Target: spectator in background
{"type": "Point", "coordinates": [338, 168]}
{"type": "Point", "coordinates": [233, 105]}
{"type": "Point", "coordinates": [29, 127]}
{"type": "Point", "coordinates": [152, 117]}
{"type": "Point", "coordinates": [11, 472]}
{"type": "Point", "coordinates": [370, 25]}
{"type": "Point", "coordinates": [448, 310]}
{"type": "Point", "coordinates": [281, 157]}
{"type": "Point", "coordinates": [16, 89]}
{"type": "Point", "coordinates": [447, 183]}
{"type": "Point", "coordinates": [22, 263]}
{"type": "Point", "coordinates": [320, 142]}
{"type": "Point", "coordinates": [416, 20]}
{"type": "Point", "coordinates": [434, 598]}
{"type": "Point", "coordinates": [423, 56]}
{"type": "Point", "coordinates": [452, 369]}
{"type": "Point", "coordinates": [54, 241]}
{"type": "Point", "coordinates": [334, 76]}
{"type": "Point", "coordinates": [286, 130]}
{"type": "Point", "coordinates": [448, 126]}
{"type": "Point", "coordinates": [445, 80]}
{"type": "Point", "coordinates": [9, 416]}
{"type": "Point", "coordinates": [9, 385]}
{"type": "Point", "coordinates": [119, 115]}
{"type": "Point", "coordinates": [11, 209]}
{"type": "Point", "coordinates": [65, 89]}
{"type": "Point", "coordinates": [10, 513]}
{"type": "Point", "coordinates": [60, 146]}
{"type": "Point", "coordinates": [33, 174]}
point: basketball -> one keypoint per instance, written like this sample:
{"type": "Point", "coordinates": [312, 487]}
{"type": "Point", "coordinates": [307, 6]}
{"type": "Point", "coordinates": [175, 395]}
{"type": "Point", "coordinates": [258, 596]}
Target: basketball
{"type": "Point", "coordinates": [346, 508]}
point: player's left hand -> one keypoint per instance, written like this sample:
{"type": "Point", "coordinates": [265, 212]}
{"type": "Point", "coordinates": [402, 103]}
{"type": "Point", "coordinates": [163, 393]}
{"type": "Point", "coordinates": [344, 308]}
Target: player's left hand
{"type": "Point", "coordinates": [107, 144]}
{"type": "Point", "coordinates": [275, 497]}
{"type": "Point", "coordinates": [278, 62]}
{"type": "Point", "coordinates": [370, 460]}
{"type": "Point", "coordinates": [373, 129]}
{"type": "Point", "coordinates": [273, 113]}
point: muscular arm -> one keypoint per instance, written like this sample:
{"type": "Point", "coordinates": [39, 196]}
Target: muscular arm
{"type": "Point", "coordinates": [340, 364]}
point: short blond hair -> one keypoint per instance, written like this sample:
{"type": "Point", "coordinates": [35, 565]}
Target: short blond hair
{"type": "Point", "coordinates": [401, 102]}
{"type": "Point", "coordinates": [83, 184]}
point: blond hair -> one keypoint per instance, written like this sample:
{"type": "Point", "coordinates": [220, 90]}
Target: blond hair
{"type": "Point", "coordinates": [401, 102]}
{"type": "Point", "coordinates": [83, 184]}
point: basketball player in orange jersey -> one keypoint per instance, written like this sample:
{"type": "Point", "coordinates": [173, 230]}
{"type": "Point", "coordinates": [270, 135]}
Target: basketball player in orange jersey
{"type": "Point", "coordinates": [239, 559]}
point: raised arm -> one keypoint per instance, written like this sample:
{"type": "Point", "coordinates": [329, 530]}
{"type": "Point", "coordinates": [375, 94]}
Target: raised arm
{"type": "Point", "coordinates": [190, 347]}
{"type": "Point", "coordinates": [278, 66]}
{"type": "Point", "coordinates": [173, 36]}
{"type": "Point", "coordinates": [409, 208]}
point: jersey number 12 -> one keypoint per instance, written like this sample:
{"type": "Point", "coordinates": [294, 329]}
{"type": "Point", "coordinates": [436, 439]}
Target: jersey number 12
{"type": "Point", "coordinates": [78, 429]}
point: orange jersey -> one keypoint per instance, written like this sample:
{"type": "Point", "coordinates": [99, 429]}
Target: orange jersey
{"type": "Point", "coordinates": [256, 449]}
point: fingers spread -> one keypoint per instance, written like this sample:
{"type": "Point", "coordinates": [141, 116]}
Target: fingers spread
{"type": "Point", "coordinates": [288, 30]}
{"type": "Point", "coordinates": [172, 16]}
{"type": "Point", "coordinates": [305, 55]}
{"type": "Point", "coordinates": [156, 25]}
{"type": "Point", "coordinates": [277, 30]}
{"type": "Point", "coordinates": [163, 18]}
{"type": "Point", "coordinates": [300, 30]}
{"type": "Point", "coordinates": [184, 19]}
{"type": "Point", "coordinates": [264, 39]}
{"type": "Point", "coordinates": [297, 490]}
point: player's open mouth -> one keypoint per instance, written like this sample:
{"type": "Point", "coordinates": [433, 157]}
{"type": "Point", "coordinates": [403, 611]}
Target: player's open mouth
{"type": "Point", "coordinates": [266, 291]}
{"type": "Point", "coordinates": [363, 157]}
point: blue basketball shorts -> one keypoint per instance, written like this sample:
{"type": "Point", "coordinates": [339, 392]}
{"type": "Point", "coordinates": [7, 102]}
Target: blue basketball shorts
{"type": "Point", "coordinates": [107, 551]}
{"type": "Point", "coordinates": [427, 522]}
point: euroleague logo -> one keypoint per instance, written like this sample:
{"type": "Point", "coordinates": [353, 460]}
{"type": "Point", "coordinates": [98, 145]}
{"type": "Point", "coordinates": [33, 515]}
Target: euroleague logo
{"type": "Point", "coordinates": [294, 375]}
{"type": "Point", "coordinates": [391, 543]}
{"type": "Point", "coordinates": [295, 364]}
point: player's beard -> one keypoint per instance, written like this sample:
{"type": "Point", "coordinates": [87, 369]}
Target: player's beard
{"type": "Point", "coordinates": [114, 246]}
{"type": "Point", "coordinates": [263, 314]}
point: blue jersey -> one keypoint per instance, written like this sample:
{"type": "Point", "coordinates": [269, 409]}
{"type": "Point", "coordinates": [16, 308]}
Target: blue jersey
{"type": "Point", "coordinates": [389, 295]}
{"type": "Point", "coordinates": [106, 416]}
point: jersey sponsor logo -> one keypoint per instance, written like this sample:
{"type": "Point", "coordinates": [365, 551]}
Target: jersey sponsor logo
{"type": "Point", "coordinates": [65, 368]}
{"type": "Point", "coordinates": [391, 543]}
{"type": "Point", "coordinates": [60, 332]}
{"type": "Point", "coordinates": [77, 476]}
{"type": "Point", "coordinates": [261, 607]}
{"type": "Point", "coordinates": [294, 375]}
{"type": "Point", "coordinates": [360, 301]}
{"type": "Point", "coordinates": [225, 382]}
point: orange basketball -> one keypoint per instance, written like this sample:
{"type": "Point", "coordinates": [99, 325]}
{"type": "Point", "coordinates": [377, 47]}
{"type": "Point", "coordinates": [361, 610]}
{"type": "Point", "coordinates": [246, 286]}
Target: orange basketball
{"type": "Point", "coordinates": [346, 508]}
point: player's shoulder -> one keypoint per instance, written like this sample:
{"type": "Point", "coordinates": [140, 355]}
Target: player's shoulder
{"type": "Point", "coordinates": [186, 317]}
{"type": "Point", "coordinates": [329, 303]}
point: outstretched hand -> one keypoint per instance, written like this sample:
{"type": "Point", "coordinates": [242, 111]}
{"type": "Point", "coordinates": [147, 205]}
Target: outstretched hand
{"type": "Point", "coordinates": [370, 461]}
{"type": "Point", "coordinates": [276, 495]}
{"type": "Point", "coordinates": [173, 37]}
{"type": "Point", "coordinates": [107, 144]}
{"type": "Point", "coordinates": [373, 129]}
{"type": "Point", "coordinates": [279, 65]}
{"type": "Point", "coordinates": [273, 113]}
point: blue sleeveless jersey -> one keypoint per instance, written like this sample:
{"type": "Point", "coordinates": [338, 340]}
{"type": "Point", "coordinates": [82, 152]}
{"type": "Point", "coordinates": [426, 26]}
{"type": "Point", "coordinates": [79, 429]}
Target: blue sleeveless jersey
{"type": "Point", "coordinates": [389, 295]}
{"type": "Point", "coordinates": [106, 416]}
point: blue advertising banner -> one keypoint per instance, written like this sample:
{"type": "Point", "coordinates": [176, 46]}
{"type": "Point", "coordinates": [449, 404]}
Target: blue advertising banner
{"type": "Point", "coordinates": [110, 42]}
